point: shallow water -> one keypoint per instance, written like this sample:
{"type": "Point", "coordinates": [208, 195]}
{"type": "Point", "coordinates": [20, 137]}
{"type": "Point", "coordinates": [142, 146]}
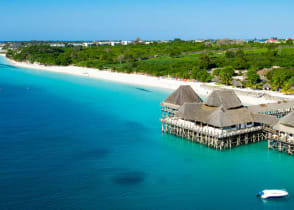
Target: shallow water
{"type": "Point", "coordinates": [77, 143]}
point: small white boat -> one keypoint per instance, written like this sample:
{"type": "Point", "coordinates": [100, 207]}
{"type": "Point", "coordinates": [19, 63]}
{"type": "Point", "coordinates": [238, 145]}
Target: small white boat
{"type": "Point", "coordinates": [268, 194]}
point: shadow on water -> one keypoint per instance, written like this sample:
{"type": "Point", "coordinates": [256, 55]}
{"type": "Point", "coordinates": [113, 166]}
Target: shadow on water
{"type": "Point", "coordinates": [129, 178]}
{"type": "Point", "coordinates": [275, 203]}
{"type": "Point", "coordinates": [144, 90]}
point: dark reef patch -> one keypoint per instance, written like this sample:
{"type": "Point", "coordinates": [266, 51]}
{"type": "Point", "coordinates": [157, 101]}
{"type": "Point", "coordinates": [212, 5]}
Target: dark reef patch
{"type": "Point", "coordinates": [129, 178]}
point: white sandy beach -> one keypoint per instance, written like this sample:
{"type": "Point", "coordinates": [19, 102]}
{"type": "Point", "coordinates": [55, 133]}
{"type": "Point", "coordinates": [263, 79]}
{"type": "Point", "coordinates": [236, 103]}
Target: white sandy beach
{"type": "Point", "coordinates": [247, 96]}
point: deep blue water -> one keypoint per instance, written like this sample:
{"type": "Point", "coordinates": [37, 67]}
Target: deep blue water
{"type": "Point", "coordinates": [77, 143]}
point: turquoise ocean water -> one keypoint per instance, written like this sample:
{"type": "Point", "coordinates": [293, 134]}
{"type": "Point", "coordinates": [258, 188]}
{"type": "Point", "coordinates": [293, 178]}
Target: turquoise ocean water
{"type": "Point", "coordinates": [78, 143]}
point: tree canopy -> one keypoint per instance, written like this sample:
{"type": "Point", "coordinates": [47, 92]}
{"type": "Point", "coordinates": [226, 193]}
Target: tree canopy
{"type": "Point", "coordinates": [178, 58]}
{"type": "Point", "coordinates": [226, 75]}
{"type": "Point", "coordinates": [252, 78]}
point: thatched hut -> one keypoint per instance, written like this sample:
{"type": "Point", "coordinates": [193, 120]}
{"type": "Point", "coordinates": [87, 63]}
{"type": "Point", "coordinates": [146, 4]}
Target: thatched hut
{"type": "Point", "coordinates": [226, 98]}
{"type": "Point", "coordinates": [281, 138]}
{"type": "Point", "coordinates": [220, 121]}
{"type": "Point", "coordinates": [184, 94]}
{"type": "Point", "coordinates": [221, 109]}
{"type": "Point", "coordinates": [279, 109]}
{"type": "Point", "coordinates": [266, 86]}
{"type": "Point", "coordinates": [286, 124]}
{"type": "Point", "coordinates": [262, 73]}
{"type": "Point", "coordinates": [263, 119]}
{"type": "Point", "coordinates": [237, 83]}
{"type": "Point", "coordinates": [218, 117]}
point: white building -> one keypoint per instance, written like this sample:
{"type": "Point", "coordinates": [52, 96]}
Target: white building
{"type": "Point", "coordinates": [57, 45]}
{"type": "Point", "coordinates": [114, 43]}
{"type": "Point", "coordinates": [77, 44]}
{"type": "Point", "coordinates": [87, 44]}
{"type": "Point", "coordinates": [124, 42]}
{"type": "Point", "coordinates": [104, 43]}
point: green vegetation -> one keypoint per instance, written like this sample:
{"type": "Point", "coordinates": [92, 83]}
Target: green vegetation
{"type": "Point", "coordinates": [226, 75]}
{"type": "Point", "coordinates": [281, 78]}
{"type": "Point", "coordinates": [181, 59]}
{"type": "Point", "coordinates": [252, 78]}
{"type": "Point", "coordinates": [200, 74]}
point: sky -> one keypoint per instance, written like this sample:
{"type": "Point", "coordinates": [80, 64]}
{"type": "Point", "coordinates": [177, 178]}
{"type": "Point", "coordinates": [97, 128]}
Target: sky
{"type": "Point", "coordinates": [149, 20]}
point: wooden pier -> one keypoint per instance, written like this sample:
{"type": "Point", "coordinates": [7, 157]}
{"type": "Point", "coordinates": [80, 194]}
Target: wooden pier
{"type": "Point", "coordinates": [212, 137]}
{"type": "Point", "coordinates": [222, 122]}
{"type": "Point", "coordinates": [280, 141]}
{"type": "Point", "coordinates": [168, 112]}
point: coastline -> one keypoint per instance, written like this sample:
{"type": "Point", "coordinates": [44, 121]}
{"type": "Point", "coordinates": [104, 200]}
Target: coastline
{"type": "Point", "coordinates": [247, 96]}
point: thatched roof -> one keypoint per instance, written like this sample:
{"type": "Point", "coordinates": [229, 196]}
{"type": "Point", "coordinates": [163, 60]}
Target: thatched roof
{"type": "Point", "coordinates": [265, 119]}
{"type": "Point", "coordinates": [262, 73]}
{"type": "Point", "coordinates": [193, 112]}
{"type": "Point", "coordinates": [267, 86]}
{"type": "Point", "coordinates": [271, 106]}
{"type": "Point", "coordinates": [224, 118]}
{"type": "Point", "coordinates": [284, 128]}
{"type": "Point", "coordinates": [288, 120]}
{"type": "Point", "coordinates": [184, 94]}
{"type": "Point", "coordinates": [237, 83]}
{"type": "Point", "coordinates": [214, 116]}
{"type": "Point", "coordinates": [226, 98]}
{"type": "Point", "coordinates": [286, 123]}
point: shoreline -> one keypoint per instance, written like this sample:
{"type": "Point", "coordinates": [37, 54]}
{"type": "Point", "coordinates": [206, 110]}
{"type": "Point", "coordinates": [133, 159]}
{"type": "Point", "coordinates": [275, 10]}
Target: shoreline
{"type": "Point", "coordinates": [247, 96]}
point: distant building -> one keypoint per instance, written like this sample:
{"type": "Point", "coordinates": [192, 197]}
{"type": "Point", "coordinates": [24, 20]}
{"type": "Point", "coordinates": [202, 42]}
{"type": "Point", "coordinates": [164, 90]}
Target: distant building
{"type": "Point", "coordinates": [14, 45]}
{"type": "Point", "coordinates": [57, 45]}
{"type": "Point", "coordinates": [239, 41]}
{"type": "Point", "coordinates": [87, 44]}
{"type": "Point", "coordinates": [103, 43]}
{"type": "Point", "coordinates": [114, 43]}
{"type": "Point", "coordinates": [262, 73]}
{"type": "Point", "coordinates": [260, 41]}
{"type": "Point", "coordinates": [163, 41]}
{"type": "Point", "coordinates": [77, 44]}
{"type": "Point", "coordinates": [124, 42]}
{"type": "Point", "coordinates": [272, 40]}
